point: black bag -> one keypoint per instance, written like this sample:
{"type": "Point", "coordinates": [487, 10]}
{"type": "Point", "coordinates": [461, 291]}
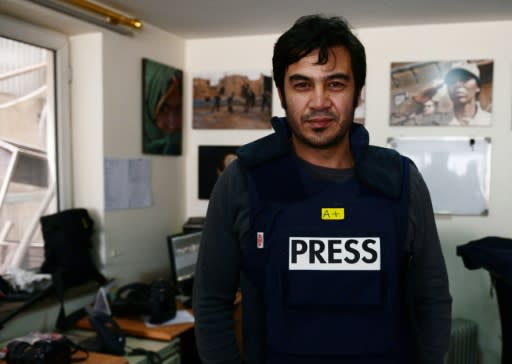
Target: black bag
{"type": "Point", "coordinates": [67, 247]}
{"type": "Point", "coordinates": [67, 251]}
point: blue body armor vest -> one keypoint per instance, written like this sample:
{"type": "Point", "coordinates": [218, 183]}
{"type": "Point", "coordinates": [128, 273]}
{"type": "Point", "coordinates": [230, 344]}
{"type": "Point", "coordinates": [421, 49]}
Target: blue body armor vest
{"type": "Point", "coordinates": [332, 285]}
{"type": "Point", "coordinates": [332, 281]}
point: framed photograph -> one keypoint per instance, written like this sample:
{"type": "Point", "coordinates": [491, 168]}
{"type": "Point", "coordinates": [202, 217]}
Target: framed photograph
{"type": "Point", "coordinates": [441, 93]}
{"type": "Point", "coordinates": [162, 108]}
{"type": "Point", "coordinates": [212, 162]}
{"type": "Point", "coordinates": [232, 100]}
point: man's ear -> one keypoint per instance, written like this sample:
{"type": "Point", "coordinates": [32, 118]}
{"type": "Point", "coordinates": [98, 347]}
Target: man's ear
{"type": "Point", "coordinates": [358, 100]}
{"type": "Point", "coordinates": [282, 98]}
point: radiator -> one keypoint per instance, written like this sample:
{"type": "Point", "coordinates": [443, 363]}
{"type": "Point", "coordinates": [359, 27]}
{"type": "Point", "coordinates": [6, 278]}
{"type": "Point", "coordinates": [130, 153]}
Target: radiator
{"type": "Point", "coordinates": [463, 347]}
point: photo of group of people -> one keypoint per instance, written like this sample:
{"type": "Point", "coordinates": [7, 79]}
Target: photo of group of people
{"type": "Point", "coordinates": [239, 100]}
{"type": "Point", "coordinates": [444, 93]}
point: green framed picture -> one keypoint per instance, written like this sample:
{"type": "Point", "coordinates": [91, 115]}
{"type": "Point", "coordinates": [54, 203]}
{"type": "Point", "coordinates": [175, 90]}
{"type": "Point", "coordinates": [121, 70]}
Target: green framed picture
{"type": "Point", "coordinates": [162, 108]}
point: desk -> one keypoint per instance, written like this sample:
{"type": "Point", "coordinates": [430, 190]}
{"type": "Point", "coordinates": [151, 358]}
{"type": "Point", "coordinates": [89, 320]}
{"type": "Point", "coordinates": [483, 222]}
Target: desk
{"type": "Point", "coordinates": [159, 339]}
{"type": "Point", "coordinates": [95, 358]}
{"type": "Point", "coordinates": [169, 351]}
{"type": "Point", "coordinates": [177, 337]}
{"type": "Point", "coordinates": [135, 326]}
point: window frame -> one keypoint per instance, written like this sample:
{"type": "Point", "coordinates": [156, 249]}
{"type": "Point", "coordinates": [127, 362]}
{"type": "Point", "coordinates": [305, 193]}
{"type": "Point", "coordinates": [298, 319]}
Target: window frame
{"type": "Point", "coordinates": [42, 37]}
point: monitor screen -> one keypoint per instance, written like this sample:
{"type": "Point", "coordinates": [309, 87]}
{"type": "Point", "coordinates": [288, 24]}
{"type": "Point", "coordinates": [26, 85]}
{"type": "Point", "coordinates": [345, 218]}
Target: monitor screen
{"type": "Point", "coordinates": [183, 251]}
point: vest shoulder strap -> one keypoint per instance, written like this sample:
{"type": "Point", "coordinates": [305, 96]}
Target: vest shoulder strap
{"type": "Point", "coordinates": [382, 169]}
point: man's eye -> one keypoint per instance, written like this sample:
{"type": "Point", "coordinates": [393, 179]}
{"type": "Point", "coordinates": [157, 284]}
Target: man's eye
{"type": "Point", "coordinates": [336, 85]}
{"type": "Point", "coordinates": [301, 85]}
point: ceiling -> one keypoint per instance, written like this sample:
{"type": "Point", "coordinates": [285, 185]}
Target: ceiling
{"type": "Point", "coordinates": [192, 19]}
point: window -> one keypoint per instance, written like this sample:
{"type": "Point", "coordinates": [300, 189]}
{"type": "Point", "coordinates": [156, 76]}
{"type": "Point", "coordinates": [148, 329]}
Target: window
{"type": "Point", "coordinates": [34, 170]}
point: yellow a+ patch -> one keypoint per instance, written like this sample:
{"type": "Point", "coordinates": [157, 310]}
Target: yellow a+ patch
{"type": "Point", "coordinates": [329, 213]}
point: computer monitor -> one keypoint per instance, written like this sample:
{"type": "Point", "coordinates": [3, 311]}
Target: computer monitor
{"type": "Point", "coordinates": [183, 251]}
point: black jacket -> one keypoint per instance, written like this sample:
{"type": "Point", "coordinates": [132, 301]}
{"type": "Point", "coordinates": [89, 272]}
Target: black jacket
{"type": "Point", "coordinates": [227, 225]}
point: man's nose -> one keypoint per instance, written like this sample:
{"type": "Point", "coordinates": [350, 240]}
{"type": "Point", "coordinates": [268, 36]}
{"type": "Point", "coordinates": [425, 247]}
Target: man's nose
{"type": "Point", "coordinates": [321, 99]}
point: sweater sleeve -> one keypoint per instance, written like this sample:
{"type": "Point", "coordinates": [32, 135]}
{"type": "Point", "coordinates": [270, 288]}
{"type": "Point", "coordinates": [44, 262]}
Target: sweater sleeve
{"type": "Point", "coordinates": [429, 279]}
{"type": "Point", "coordinates": [217, 274]}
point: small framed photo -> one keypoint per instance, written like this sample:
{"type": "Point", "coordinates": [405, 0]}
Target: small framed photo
{"type": "Point", "coordinates": [162, 108]}
{"type": "Point", "coordinates": [213, 160]}
{"type": "Point", "coordinates": [232, 100]}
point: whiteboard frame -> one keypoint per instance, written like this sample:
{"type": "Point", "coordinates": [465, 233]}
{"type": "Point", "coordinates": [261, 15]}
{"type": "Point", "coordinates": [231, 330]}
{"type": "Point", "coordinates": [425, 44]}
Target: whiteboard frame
{"type": "Point", "coordinates": [472, 197]}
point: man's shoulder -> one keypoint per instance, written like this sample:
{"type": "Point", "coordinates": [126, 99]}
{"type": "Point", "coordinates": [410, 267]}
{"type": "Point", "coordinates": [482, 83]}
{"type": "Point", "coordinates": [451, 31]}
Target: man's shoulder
{"type": "Point", "coordinates": [382, 156]}
{"type": "Point", "coordinates": [269, 147]}
{"type": "Point", "coordinates": [382, 169]}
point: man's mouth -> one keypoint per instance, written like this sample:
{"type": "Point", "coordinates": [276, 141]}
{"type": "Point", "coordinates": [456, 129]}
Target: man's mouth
{"type": "Point", "coordinates": [319, 123]}
{"type": "Point", "coordinates": [460, 92]}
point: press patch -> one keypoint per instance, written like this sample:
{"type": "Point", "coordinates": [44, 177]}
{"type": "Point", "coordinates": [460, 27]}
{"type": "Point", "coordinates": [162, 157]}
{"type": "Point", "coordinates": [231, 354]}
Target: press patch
{"type": "Point", "coordinates": [312, 253]}
{"type": "Point", "coordinates": [333, 213]}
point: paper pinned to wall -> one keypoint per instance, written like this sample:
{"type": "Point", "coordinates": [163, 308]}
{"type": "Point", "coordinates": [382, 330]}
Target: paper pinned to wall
{"type": "Point", "coordinates": [127, 183]}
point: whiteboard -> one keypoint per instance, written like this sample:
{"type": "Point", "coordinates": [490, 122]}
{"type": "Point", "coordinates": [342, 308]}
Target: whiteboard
{"type": "Point", "coordinates": [455, 169]}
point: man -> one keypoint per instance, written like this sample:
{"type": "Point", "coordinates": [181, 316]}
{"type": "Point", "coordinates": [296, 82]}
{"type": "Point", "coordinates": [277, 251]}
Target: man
{"type": "Point", "coordinates": [335, 240]}
{"type": "Point", "coordinates": [463, 82]}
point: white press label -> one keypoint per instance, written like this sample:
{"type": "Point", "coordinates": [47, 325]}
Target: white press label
{"type": "Point", "coordinates": [309, 253]}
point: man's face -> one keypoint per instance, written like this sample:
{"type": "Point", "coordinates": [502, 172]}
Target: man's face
{"type": "Point", "coordinates": [462, 88]}
{"type": "Point", "coordinates": [319, 99]}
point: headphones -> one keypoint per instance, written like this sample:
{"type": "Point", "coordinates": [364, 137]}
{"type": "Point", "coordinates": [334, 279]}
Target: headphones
{"type": "Point", "coordinates": [157, 299]}
{"type": "Point", "coordinates": [131, 299]}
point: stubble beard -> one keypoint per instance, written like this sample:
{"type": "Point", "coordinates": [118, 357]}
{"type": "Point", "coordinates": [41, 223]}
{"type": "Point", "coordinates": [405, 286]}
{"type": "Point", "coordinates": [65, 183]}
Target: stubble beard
{"type": "Point", "coordinates": [317, 140]}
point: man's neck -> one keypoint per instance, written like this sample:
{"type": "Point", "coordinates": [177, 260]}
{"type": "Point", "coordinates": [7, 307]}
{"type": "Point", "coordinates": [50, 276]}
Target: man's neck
{"type": "Point", "coordinates": [466, 112]}
{"type": "Point", "coordinates": [338, 156]}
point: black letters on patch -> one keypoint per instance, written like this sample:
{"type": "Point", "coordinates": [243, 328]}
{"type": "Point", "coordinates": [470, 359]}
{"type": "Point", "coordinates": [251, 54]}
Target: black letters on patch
{"type": "Point", "coordinates": [354, 252]}
{"type": "Point", "coordinates": [295, 249]}
{"type": "Point", "coordinates": [333, 249]}
{"type": "Point", "coordinates": [368, 249]}
{"type": "Point", "coordinates": [315, 250]}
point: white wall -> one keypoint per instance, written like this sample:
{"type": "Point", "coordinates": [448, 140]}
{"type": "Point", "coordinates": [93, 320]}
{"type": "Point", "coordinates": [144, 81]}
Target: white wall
{"type": "Point", "coordinates": [470, 289]}
{"type": "Point", "coordinates": [107, 104]}
{"type": "Point", "coordinates": [137, 237]}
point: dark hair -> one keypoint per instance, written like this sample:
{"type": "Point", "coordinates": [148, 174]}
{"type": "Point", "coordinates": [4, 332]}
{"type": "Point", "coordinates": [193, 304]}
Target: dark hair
{"type": "Point", "coordinates": [312, 32]}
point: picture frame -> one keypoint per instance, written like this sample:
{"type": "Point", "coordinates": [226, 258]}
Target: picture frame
{"type": "Point", "coordinates": [232, 100]}
{"type": "Point", "coordinates": [441, 93]}
{"type": "Point", "coordinates": [162, 110]}
{"type": "Point", "coordinates": [456, 170]}
{"type": "Point", "coordinates": [213, 160]}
